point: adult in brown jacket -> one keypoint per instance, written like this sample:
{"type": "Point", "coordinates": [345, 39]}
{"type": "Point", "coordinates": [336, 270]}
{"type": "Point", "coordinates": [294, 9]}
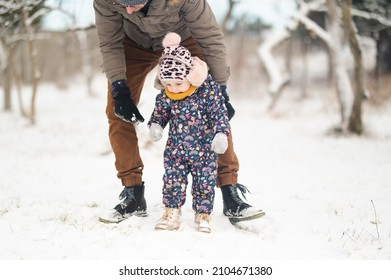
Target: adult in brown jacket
{"type": "Point", "coordinates": [130, 39]}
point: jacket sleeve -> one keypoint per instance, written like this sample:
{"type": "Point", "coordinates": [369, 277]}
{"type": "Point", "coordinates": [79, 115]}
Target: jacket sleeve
{"type": "Point", "coordinates": [161, 111]}
{"type": "Point", "coordinates": [203, 26]}
{"type": "Point", "coordinates": [218, 115]}
{"type": "Point", "coordinates": [110, 34]}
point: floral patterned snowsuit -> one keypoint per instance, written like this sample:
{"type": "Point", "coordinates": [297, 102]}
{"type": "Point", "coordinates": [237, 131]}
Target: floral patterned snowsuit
{"type": "Point", "coordinates": [194, 121]}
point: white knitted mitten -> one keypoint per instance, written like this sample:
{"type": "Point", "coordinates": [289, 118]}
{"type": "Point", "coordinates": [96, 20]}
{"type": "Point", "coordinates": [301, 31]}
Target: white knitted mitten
{"type": "Point", "coordinates": [220, 143]}
{"type": "Point", "coordinates": [155, 132]}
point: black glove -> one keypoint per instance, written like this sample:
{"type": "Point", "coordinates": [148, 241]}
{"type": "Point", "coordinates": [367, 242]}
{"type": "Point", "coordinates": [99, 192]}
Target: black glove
{"type": "Point", "coordinates": [230, 109]}
{"type": "Point", "coordinates": [124, 107]}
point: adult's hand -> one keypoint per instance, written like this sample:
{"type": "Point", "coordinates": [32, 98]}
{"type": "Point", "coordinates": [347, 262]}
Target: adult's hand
{"type": "Point", "coordinates": [124, 107]}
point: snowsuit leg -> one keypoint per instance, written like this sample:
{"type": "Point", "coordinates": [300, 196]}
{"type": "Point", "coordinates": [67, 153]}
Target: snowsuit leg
{"type": "Point", "coordinates": [175, 177]}
{"type": "Point", "coordinates": [204, 174]}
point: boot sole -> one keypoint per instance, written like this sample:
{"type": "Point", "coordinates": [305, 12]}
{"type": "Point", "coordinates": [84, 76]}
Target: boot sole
{"type": "Point", "coordinates": [166, 229]}
{"type": "Point", "coordinates": [235, 220]}
{"type": "Point", "coordinates": [204, 230]}
{"type": "Point", "coordinates": [120, 219]}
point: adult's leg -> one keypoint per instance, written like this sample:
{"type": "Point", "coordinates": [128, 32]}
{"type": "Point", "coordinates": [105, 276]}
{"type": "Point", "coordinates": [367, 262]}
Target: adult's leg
{"type": "Point", "coordinates": [123, 136]}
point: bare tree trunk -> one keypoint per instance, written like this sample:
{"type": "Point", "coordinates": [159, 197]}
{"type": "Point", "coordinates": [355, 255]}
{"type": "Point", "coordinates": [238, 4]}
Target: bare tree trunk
{"type": "Point", "coordinates": [16, 77]}
{"type": "Point", "coordinates": [34, 67]}
{"type": "Point", "coordinates": [7, 88]}
{"type": "Point", "coordinates": [355, 120]}
{"type": "Point", "coordinates": [304, 73]}
{"type": "Point", "coordinates": [289, 55]}
{"type": "Point", "coordinates": [330, 70]}
{"type": "Point", "coordinates": [342, 81]}
{"type": "Point", "coordinates": [35, 79]}
{"type": "Point", "coordinates": [5, 74]}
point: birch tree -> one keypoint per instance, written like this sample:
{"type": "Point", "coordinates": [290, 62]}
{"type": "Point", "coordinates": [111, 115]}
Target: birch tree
{"type": "Point", "coordinates": [340, 72]}
{"type": "Point", "coordinates": [278, 80]}
{"type": "Point", "coordinates": [355, 119]}
{"type": "Point", "coordinates": [350, 91]}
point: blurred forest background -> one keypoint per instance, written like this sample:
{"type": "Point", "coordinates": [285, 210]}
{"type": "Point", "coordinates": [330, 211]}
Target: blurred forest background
{"type": "Point", "coordinates": [338, 47]}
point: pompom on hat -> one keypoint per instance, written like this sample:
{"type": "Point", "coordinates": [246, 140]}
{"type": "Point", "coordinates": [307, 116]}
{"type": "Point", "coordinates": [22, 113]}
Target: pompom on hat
{"type": "Point", "coordinates": [131, 2]}
{"type": "Point", "coordinates": [176, 63]}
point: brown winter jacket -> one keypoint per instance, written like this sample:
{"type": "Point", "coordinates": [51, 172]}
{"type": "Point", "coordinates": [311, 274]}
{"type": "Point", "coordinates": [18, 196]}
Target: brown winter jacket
{"type": "Point", "coordinates": [185, 17]}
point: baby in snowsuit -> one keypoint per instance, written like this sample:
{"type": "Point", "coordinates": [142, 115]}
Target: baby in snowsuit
{"type": "Point", "coordinates": [191, 103]}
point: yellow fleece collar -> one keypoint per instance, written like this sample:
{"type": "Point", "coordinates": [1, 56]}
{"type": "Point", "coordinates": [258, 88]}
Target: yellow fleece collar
{"type": "Point", "coordinates": [182, 95]}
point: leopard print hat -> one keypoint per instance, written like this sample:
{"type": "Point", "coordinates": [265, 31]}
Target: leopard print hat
{"type": "Point", "coordinates": [176, 61]}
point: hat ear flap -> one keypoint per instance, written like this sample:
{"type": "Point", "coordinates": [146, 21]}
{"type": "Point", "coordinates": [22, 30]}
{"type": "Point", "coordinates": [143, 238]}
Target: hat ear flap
{"type": "Point", "coordinates": [198, 73]}
{"type": "Point", "coordinates": [158, 83]}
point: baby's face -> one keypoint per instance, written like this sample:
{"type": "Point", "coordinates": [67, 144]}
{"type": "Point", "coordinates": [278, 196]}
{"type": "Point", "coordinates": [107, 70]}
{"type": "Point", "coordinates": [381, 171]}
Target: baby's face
{"type": "Point", "coordinates": [177, 86]}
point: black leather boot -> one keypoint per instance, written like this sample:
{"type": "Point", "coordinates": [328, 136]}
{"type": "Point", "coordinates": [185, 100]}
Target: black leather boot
{"type": "Point", "coordinates": [133, 203]}
{"type": "Point", "coordinates": [235, 208]}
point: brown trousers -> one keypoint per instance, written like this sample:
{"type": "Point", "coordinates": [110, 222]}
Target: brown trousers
{"type": "Point", "coordinates": [123, 136]}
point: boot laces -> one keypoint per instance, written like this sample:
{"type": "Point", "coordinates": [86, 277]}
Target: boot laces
{"type": "Point", "coordinates": [127, 195]}
{"type": "Point", "coordinates": [169, 213]}
{"type": "Point", "coordinates": [235, 195]}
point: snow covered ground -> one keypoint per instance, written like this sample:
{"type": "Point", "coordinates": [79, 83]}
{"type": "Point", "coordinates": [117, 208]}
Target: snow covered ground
{"type": "Point", "coordinates": [325, 197]}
